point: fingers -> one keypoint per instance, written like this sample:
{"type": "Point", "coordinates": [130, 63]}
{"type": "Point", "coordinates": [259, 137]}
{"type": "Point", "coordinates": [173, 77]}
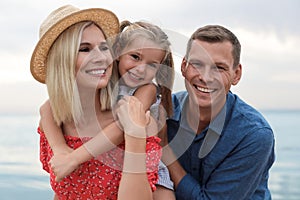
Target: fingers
{"type": "Point", "coordinates": [132, 117]}
{"type": "Point", "coordinates": [129, 99]}
{"type": "Point", "coordinates": [55, 172]}
{"type": "Point", "coordinates": [162, 118]}
{"type": "Point", "coordinates": [128, 106]}
{"type": "Point", "coordinates": [148, 116]}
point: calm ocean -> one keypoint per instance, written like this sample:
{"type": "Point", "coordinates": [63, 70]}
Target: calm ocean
{"type": "Point", "coordinates": [21, 176]}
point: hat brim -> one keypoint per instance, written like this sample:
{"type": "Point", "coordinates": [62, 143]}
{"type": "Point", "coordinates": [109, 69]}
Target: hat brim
{"type": "Point", "coordinates": [105, 19]}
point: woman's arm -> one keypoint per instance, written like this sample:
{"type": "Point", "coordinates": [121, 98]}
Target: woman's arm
{"type": "Point", "coordinates": [134, 182]}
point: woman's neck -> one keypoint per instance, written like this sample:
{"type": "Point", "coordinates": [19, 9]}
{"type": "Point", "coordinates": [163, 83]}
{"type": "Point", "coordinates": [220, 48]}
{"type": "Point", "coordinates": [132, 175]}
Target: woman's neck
{"type": "Point", "coordinates": [92, 119]}
{"type": "Point", "coordinates": [90, 103]}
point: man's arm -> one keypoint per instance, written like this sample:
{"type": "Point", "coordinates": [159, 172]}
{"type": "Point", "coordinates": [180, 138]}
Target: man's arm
{"type": "Point", "coordinates": [236, 177]}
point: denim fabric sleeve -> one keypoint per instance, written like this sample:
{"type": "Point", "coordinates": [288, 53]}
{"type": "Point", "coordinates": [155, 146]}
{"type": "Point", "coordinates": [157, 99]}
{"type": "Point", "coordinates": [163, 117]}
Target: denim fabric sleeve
{"type": "Point", "coordinates": [239, 175]}
{"type": "Point", "coordinates": [188, 188]}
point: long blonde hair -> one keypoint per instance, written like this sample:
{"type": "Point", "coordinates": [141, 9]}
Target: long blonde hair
{"type": "Point", "coordinates": [165, 75]}
{"type": "Point", "coordinates": [61, 77]}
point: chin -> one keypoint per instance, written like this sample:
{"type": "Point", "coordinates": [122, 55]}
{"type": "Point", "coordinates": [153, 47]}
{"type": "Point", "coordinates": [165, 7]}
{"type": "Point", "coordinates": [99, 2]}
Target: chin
{"type": "Point", "coordinates": [102, 85]}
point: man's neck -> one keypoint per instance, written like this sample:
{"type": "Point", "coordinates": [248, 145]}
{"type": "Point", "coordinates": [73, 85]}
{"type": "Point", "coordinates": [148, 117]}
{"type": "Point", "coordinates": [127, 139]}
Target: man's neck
{"type": "Point", "coordinates": [200, 118]}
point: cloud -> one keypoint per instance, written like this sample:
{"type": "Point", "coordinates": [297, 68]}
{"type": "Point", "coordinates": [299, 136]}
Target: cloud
{"type": "Point", "coordinates": [255, 15]}
{"type": "Point", "coordinates": [22, 97]}
{"type": "Point", "coordinates": [268, 31]}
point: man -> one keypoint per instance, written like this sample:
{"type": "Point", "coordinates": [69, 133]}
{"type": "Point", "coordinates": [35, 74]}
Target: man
{"type": "Point", "coordinates": [221, 147]}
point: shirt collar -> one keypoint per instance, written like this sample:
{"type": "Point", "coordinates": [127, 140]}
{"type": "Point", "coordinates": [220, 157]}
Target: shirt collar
{"type": "Point", "coordinates": [216, 125]}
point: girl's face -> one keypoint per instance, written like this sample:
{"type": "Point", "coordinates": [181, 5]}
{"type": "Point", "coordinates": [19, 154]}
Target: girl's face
{"type": "Point", "coordinates": [94, 60]}
{"type": "Point", "coordinates": [139, 62]}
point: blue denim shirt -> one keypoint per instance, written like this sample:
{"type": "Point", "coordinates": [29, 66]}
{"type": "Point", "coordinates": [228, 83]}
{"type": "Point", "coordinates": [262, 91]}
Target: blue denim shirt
{"type": "Point", "coordinates": [237, 167]}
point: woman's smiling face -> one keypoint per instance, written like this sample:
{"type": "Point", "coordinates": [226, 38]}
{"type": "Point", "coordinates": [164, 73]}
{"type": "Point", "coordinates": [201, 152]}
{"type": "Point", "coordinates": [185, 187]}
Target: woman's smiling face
{"type": "Point", "coordinates": [94, 60]}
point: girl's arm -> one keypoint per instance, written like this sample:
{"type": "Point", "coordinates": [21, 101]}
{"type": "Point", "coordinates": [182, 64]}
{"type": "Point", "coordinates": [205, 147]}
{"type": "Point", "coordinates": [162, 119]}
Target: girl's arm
{"type": "Point", "coordinates": [109, 137]}
{"type": "Point", "coordinates": [162, 192]}
{"type": "Point", "coordinates": [146, 94]}
{"type": "Point", "coordinates": [52, 131]}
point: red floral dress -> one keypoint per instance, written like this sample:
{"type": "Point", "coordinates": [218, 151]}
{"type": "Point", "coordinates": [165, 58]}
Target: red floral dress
{"type": "Point", "coordinates": [97, 178]}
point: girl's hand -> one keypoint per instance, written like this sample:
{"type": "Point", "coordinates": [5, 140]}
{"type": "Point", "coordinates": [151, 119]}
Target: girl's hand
{"type": "Point", "coordinates": [62, 164]}
{"type": "Point", "coordinates": [132, 116]}
{"type": "Point", "coordinates": [45, 110]}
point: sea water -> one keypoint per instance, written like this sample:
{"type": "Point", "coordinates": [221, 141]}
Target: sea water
{"type": "Point", "coordinates": [22, 177]}
{"type": "Point", "coordinates": [285, 173]}
{"type": "Point", "coordinates": [21, 174]}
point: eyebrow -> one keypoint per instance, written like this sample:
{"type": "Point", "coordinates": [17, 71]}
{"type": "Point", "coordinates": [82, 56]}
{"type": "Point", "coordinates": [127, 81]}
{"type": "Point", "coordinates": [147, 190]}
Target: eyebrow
{"type": "Point", "coordinates": [88, 43]}
{"type": "Point", "coordinates": [196, 60]}
{"type": "Point", "coordinates": [222, 63]}
{"type": "Point", "coordinates": [139, 53]}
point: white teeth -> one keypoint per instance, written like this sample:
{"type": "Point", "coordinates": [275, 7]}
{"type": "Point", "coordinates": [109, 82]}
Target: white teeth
{"type": "Point", "coordinates": [135, 76]}
{"type": "Point", "coordinates": [206, 90]}
{"type": "Point", "coordinates": [96, 72]}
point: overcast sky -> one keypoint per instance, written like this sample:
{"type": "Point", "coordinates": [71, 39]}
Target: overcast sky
{"type": "Point", "coordinates": [269, 32]}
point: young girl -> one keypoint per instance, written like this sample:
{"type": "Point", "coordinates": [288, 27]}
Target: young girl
{"type": "Point", "coordinates": [143, 53]}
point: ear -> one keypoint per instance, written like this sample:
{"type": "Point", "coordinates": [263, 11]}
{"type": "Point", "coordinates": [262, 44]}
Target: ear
{"type": "Point", "coordinates": [237, 74]}
{"type": "Point", "coordinates": [184, 64]}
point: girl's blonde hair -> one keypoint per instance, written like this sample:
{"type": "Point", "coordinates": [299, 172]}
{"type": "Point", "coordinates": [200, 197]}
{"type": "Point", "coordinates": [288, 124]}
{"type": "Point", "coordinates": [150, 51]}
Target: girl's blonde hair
{"type": "Point", "coordinates": [61, 77]}
{"type": "Point", "coordinates": [165, 74]}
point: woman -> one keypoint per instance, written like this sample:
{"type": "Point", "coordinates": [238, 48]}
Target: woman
{"type": "Point", "coordinates": [73, 58]}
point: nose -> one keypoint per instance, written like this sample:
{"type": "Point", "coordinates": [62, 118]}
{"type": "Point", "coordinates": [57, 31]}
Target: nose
{"type": "Point", "coordinates": [98, 56]}
{"type": "Point", "coordinates": [141, 68]}
{"type": "Point", "coordinates": [205, 73]}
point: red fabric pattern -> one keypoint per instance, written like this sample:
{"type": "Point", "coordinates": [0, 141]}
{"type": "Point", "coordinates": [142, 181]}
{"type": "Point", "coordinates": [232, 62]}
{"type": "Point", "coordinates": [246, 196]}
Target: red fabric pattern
{"type": "Point", "coordinates": [97, 178]}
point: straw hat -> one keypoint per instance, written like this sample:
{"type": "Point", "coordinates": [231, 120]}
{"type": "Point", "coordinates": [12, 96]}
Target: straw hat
{"type": "Point", "coordinates": [58, 21]}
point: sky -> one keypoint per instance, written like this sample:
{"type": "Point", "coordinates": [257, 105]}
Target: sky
{"type": "Point", "coordinates": [269, 32]}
